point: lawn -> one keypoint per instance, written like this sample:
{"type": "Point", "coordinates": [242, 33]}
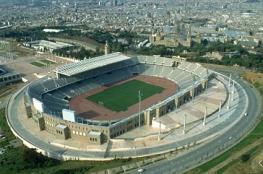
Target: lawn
{"type": "Point", "coordinates": [42, 63]}
{"type": "Point", "coordinates": [47, 62]}
{"type": "Point", "coordinates": [38, 64]}
{"type": "Point", "coordinates": [121, 97]}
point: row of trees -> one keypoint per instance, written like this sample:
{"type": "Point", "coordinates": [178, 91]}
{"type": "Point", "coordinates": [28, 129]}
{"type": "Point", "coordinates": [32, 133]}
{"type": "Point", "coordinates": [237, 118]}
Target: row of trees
{"type": "Point", "coordinates": [251, 61]}
{"type": "Point", "coordinates": [198, 50]}
{"type": "Point", "coordinates": [23, 158]}
{"type": "Point", "coordinates": [32, 159]}
{"type": "Point", "coordinates": [24, 35]}
{"type": "Point", "coordinates": [77, 52]}
{"type": "Point", "coordinates": [99, 36]}
{"type": "Point", "coordinates": [205, 47]}
{"type": "Point", "coordinates": [243, 58]}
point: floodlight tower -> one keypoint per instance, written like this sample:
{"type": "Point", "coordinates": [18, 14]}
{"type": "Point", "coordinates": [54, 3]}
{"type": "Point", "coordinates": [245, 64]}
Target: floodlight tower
{"type": "Point", "coordinates": [228, 102]}
{"type": "Point", "coordinates": [233, 90]}
{"type": "Point", "coordinates": [229, 80]}
{"type": "Point", "coordinates": [184, 123]}
{"type": "Point", "coordinates": [160, 127]}
{"type": "Point", "coordinates": [140, 98]}
{"type": "Point", "coordinates": [219, 110]}
{"type": "Point", "coordinates": [205, 114]}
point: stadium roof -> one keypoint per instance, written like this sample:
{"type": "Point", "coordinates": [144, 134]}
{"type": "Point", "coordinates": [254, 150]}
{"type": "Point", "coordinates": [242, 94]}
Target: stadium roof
{"type": "Point", "coordinates": [90, 64]}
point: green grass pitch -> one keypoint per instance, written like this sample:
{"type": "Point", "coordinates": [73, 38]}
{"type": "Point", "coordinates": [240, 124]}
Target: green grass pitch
{"type": "Point", "coordinates": [121, 97]}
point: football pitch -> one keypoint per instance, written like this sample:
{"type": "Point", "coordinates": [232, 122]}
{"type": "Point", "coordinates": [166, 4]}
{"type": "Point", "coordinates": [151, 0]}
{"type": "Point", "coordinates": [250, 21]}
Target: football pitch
{"type": "Point", "coordinates": [121, 97]}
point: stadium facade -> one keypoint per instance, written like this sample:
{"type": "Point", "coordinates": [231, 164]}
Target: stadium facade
{"type": "Point", "coordinates": [47, 99]}
{"type": "Point", "coordinates": [8, 77]}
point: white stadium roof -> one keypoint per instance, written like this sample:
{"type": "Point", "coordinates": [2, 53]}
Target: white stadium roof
{"type": "Point", "coordinates": [90, 64]}
{"type": "Point", "coordinates": [49, 44]}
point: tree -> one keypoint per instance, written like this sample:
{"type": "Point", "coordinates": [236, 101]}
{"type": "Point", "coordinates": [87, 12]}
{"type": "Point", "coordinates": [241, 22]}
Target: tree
{"type": "Point", "coordinates": [32, 159]}
{"type": "Point", "coordinates": [245, 157]}
{"type": "Point", "coordinates": [204, 42]}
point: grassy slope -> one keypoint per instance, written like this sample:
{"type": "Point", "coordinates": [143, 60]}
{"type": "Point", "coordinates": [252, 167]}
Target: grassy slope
{"type": "Point", "coordinates": [120, 97]}
{"type": "Point", "coordinates": [4, 127]}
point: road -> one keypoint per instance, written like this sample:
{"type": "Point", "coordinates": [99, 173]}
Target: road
{"type": "Point", "coordinates": [180, 164]}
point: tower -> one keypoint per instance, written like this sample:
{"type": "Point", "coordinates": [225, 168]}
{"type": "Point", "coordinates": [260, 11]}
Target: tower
{"type": "Point", "coordinates": [186, 6]}
{"type": "Point", "coordinates": [107, 48]}
{"type": "Point", "coordinates": [176, 31]}
{"type": "Point", "coordinates": [205, 115]}
{"type": "Point", "coordinates": [114, 3]}
{"type": "Point", "coordinates": [189, 36]}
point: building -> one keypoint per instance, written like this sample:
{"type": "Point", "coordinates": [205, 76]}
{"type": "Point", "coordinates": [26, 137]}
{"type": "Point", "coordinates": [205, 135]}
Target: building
{"type": "Point", "coordinates": [214, 56]}
{"type": "Point", "coordinates": [175, 38]}
{"type": "Point", "coordinates": [46, 46]}
{"type": "Point", "coordinates": [50, 101]}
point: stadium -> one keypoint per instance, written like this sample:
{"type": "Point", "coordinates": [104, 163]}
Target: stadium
{"type": "Point", "coordinates": [104, 97]}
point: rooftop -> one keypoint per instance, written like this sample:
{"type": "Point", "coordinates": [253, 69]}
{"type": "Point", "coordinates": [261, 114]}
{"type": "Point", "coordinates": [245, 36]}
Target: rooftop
{"type": "Point", "coordinates": [60, 126]}
{"type": "Point", "coordinates": [93, 133]}
{"type": "Point", "coordinates": [2, 71]}
{"type": "Point", "coordinates": [8, 74]}
{"type": "Point", "coordinates": [49, 44]}
{"type": "Point", "coordinates": [90, 64]}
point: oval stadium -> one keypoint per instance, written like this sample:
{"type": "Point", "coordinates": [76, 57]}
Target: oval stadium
{"type": "Point", "coordinates": [112, 94]}
{"type": "Point", "coordinates": [119, 106]}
